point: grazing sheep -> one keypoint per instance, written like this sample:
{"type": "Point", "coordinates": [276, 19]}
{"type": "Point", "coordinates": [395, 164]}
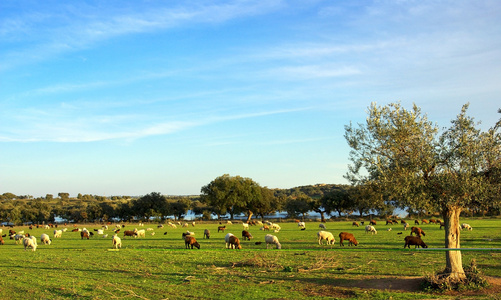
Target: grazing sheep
{"type": "Point", "coordinates": [193, 223]}
{"type": "Point", "coordinates": [371, 229]}
{"type": "Point", "coordinates": [416, 222]}
{"type": "Point", "coordinates": [141, 233]}
{"type": "Point", "coordinates": [246, 235]}
{"type": "Point", "coordinates": [355, 224]}
{"type": "Point", "coordinates": [160, 226]}
{"type": "Point", "coordinates": [276, 227]}
{"type": "Point", "coordinates": [221, 228]}
{"type": "Point", "coordinates": [414, 240]}
{"type": "Point", "coordinates": [58, 233]}
{"type": "Point", "coordinates": [406, 225]}
{"type": "Point", "coordinates": [418, 231]}
{"type": "Point", "coordinates": [84, 234]}
{"type": "Point", "coordinates": [206, 234]}
{"type": "Point", "coordinates": [270, 240]}
{"type": "Point", "coordinates": [19, 238]}
{"type": "Point", "coordinates": [301, 225]}
{"type": "Point", "coordinates": [129, 233]}
{"type": "Point", "coordinates": [229, 222]}
{"type": "Point", "coordinates": [424, 221]}
{"type": "Point", "coordinates": [433, 221]}
{"type": "Point", "coordinates": [1, 240]}
{"type": "Point", "coordinates": [245, 225]}
{"type": "Point", "coordinates": [322, 226]}
{"type": "Point", "coordinates": [442, 224]}
{"type": "Point", "coordinates": [348, 237]}
{"type": "Point", "coordinates": [265, 228]}
{"type": "Point", "coordinates": [466, 226]}
{"type": "Point", "coordinates": [116, 242]}
{"type": "Point", "coordinates": [187, 233]}
{"type": "Point", "coordinates": [100, 231]}
{"type": "Point", "coordinates": [185, 225]}
{"type": "Point", "coordinates": [372, 222]}
{"type": "Point", "coordinates": [190, 241]}
{"type": "Point", "coordinates": [232, 242]}
{"type": "Point", "coordinates": [325, 235]}
{"type": "Point", "coordinates": [30, 242]}
{"type": "Point", "coordinates": [44, 238]}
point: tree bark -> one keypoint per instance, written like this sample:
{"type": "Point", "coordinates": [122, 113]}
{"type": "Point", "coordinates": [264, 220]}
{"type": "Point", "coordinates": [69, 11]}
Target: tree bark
{"type": "Point", "coordinates": [250, 213]}
{"type": "Point", "coordinates": [454, 264]}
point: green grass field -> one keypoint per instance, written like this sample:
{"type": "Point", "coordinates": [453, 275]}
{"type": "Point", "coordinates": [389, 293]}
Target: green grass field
{"type": "Point", "coordinates": [159, 266]}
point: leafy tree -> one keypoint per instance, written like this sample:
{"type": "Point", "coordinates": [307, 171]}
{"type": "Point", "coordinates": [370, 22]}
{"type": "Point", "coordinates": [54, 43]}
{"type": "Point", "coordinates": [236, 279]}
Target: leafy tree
{"type": "Point", "coordinates": [298, 205]}
{"type": "Point", "coordinates": [231, 194]}
{"type": "Point", "coordinates": [179, 208]}
{"type": "Point", "coordinates": [268, 203]}
{"type": "Point", "coordinates": [64, 196]}
{"type": "Point", "coordinates": [405, 160]}
{"type": "Point", "coordinates": [338, 200]}
{"type": "Point", "coordinates": [150, 205]}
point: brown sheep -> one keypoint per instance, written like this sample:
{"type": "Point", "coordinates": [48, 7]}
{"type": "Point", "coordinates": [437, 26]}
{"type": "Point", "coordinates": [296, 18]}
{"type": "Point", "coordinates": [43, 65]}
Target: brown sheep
{"type": "Point", "coordinates": [433, 221]}
{"type": "Point", "coordinates": [389, 222]}
{"type": "Point", "coordinates": [221, 228]}
{"type": "Point", "coordinates": [246, 235]}
{"type": "Point", "coordinates": [129, 233]}
{"type": "Point", "coordinates": [418, 231]}
{"type": "Point", "coordinates": [416, 222]}
{"type": "Point", "coordinates": [424, 221]}
{"type": "Point", "coordinates": [232, 242]}
{"type": "Point", "coordinates": [349, 237]}
{"type": "Point", "coordinates": [442, 224]}
{"type": "Point", "coordinates": [191, 241]}
{"type": "Point", "coordinates": [84, 234]}
{"type": "Point", "coordinates": [1, 241]}
{"type": "Point", "coordinates": [206, 234]}
{"type": "Point", "coordinates": [372, 222]}
{"type": "Point", "coordinates": [355, 224]}
{"type": "Point", "coordinates": [414, 240]}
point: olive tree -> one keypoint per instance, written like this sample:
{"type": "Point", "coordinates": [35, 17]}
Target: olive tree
{"type": "Point", "coordinates": [407, 160]}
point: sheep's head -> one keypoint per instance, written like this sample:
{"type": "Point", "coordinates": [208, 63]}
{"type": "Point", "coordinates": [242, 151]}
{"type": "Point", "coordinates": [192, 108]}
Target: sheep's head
{"type": "Point", "coordinates": [196, 244]}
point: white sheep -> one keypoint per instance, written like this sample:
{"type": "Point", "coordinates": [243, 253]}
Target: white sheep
{"type": "Point", "coordinates": [245, 225]}
{"type": "Point", "coordinates": [271, 239]}
{"type": "Point", "coordinates": [44, 238]}
{"type": "Point", "coordinates": [100, 231]}
{"type": "Point", "coordinates": [276, 227]}
{"type": "Point", "coordinates": [31, 242]}
{"type": "Point", "coordinates": [141, 233]}
{"type": "Point", "coordinates": [232, 242]}
{"type": "Point", "coordinates": [466, 226]}
{"type": "Point", "coordinates": [371, 229]}
{"type": "Point", "coordinates": [229, 222]}
{"type": "Point", "coordinates": [117, 242]}
{"type": "Point", "coordinates": [20, 232]}
{"type": "Point", "coordinates": [322, 226]}
{"type": "Point", "coordinates": [149, 229]}
{"type": "Point", "coordinates": [301, 224]}
{"type": "Point", "coordinates": [325, 235]}
{"type": "Point", "coordinates": [406, 225]}
{"type": "Point", "coordinates": [185, 225]}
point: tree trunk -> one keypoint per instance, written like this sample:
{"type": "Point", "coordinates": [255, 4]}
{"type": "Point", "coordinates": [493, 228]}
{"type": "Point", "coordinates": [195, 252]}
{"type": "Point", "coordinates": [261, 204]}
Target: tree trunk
{"type": "Point", "coordinates": [250, 213]}
{"type": "Point", "coordinates": [322, 218]}
{"type": "Point", "coordinates": [454, 264]}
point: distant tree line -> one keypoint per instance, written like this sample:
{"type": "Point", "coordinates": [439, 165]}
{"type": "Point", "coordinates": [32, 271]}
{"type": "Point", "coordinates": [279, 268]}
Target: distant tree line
{"type": "Point", "coordinates": [225, 196]}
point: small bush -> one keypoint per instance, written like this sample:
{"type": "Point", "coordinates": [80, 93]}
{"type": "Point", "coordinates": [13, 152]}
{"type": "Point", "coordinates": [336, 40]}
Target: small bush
{"type": "Point", "coordinates": [441, 282]}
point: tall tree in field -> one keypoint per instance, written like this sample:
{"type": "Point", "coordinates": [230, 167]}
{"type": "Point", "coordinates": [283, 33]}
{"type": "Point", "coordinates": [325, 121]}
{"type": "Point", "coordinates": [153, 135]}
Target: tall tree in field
{"type": "Point", "coordinates": [402, 156]}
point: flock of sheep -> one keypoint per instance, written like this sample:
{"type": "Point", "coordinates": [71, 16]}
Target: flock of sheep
{"type": "Point", "coordinates": [231, 241]}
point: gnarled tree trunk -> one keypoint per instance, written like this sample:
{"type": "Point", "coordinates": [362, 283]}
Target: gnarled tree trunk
{"type": "Point", "coordinates": [249, 216]}
{"type": "Point", "coordinates": [454, 263]}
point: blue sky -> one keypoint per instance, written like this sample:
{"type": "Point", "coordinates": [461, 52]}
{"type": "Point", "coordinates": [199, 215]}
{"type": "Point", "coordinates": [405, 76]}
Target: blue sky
{"type": "Point", "coordinates": [132, 97]}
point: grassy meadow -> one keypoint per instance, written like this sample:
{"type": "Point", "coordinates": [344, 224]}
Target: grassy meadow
{"type": "Point", "coordinates": [159, 267]}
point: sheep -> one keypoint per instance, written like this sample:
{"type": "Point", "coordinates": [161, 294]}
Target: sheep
{"type": "Point", "coordinates": [149, 229]}
{"type": "Point", "coordinates": [44, 238]}
{"type": "Point", "coordinates": [406, 225]}
{"type": "Point", "coordinates": [265, 228]}
{"type": "Point", "coordinates": [141, 233]}
{"type": "Point", "coordinates": [372, 222]}
{"type": "Point", "coordinates": [116, 242]}
{"type": "Point", "coordinates": [325, 235]}
{"type": "Point", "coordinates": [229, 222]}
{"type": "Point", "coordinates": [271, 239]}
{"type": "Point", "coordinates": [19, 238]}
{"type": "Point", "coordinates": [100, 231]}
{"type": "Point", "coordinates": [424, 221]}
{"type": "Point", "coordinates": [187, 233]}
{"type": "Point", "coordinates": [301, 225]}
{"type": "Point", "coordinates": [371, 229]}
{"type": "Point", "coordinates": [185, 225]}
{"type": "Point", "coordinates": [246, 235]}
{"type": "Point", "coordinates": [232, 242]}
{"type": "Point", "coordinates": [84, 234]}
{"type": "Point", "coordinates": [1, 240]}
{"type": "Point", "coordinates": [206, 234]}
{"type": "Point", "coordinates": [355, 224]}
{"type": "Point", "coordinates": [30, 242]}
{"type": "Point", "coordinates": [245, 225]}
{"type": "Point", "coordinates": [191, 241]}
{"type": "Point", "coordinates": [130, 233]}
{"type": "Point", "coordinates": [160, 226]}
{"type": "Point", "coordinates": [414, 240]}
{"type": "Point", "coordinates": [276, 227]}
{"type": "Point", "coordinates": [418, 231]}
{"type": "Point", "coordinates": [442, 224]}
{"type": "Point", "coordinates": [322, 226]}
{"type": "Point", "coordinates": [20, 232]}
{"type": "Point", "coordinates": [349, 237]}
{"type": "Point", "coordinates": [416, 222]}
{"type": "Point", "coordinates": [193, 223]}
{"type": "Point", "coordinates": [466, 226]}
{"type": "Point", "coordinates": [221, 228]}
{"type": "Point", "coordinates": [58, 233]}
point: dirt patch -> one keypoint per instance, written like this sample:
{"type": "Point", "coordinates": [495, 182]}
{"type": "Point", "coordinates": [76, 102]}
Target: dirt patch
{"type": "Point", "coordinates": [405, 284]}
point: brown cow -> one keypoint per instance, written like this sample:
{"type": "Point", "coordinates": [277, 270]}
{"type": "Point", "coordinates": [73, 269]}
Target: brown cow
{"type": "Point", "coordinates": [414, 240]}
